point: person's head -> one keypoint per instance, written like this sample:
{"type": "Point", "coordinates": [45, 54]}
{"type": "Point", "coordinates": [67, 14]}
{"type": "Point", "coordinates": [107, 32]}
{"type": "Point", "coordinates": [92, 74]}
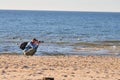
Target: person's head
{"type": "Point", "coordinates": [34, 40]}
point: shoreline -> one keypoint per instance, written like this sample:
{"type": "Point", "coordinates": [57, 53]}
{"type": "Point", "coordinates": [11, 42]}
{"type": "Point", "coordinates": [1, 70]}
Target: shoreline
{"type": "Point", "coordinates": [19, 67]}
{"type": "Point", "coordinates": [62, 54]}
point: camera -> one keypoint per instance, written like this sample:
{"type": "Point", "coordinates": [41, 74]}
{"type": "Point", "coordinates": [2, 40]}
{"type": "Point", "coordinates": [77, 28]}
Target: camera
{"type": "Point", "coordinates": [41, 41]}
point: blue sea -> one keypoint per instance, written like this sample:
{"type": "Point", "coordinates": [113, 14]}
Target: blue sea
{"type": "Point", "coordinates": [63, 32]}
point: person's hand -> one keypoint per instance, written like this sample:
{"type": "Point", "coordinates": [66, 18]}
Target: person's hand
{"type": "Point", "coordinates": [38, 42]}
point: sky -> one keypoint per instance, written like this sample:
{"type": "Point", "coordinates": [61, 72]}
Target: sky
{"type": "Point", "coordinates": [62, 5]}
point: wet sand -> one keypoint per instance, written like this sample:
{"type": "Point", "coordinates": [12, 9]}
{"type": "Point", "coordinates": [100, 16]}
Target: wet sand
{"type": "Point", "coordinates": [19, 67]}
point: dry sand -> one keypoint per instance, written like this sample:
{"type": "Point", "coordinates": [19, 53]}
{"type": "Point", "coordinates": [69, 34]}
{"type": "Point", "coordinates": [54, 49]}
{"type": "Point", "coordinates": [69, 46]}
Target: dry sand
{"type": "Point", "coordinates": [19, 67]}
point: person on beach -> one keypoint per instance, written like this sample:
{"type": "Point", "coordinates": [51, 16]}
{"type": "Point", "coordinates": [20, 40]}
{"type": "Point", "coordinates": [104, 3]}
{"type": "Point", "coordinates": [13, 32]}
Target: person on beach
{"type": "Point", "coordinates": [31, 47]}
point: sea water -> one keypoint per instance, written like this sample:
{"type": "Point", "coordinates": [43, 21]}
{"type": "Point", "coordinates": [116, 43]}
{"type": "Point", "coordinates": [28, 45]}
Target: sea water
{"type": "Point", "coordinates": [64, 32]}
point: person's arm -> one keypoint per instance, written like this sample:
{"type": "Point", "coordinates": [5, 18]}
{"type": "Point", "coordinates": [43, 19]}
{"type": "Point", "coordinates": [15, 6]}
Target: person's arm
{"type": "Point", "coordinates": [35, 45]}
{"type": "Point", "coordinates": [28, 46]}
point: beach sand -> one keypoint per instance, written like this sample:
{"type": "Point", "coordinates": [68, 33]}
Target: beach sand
{"type": "Point", "coordinates": [19, 67]}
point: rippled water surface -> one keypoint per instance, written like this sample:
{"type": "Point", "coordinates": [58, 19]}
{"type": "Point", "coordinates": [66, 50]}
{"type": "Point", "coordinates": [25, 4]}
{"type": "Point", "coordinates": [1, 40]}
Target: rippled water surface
{"type": "Point", "coordinates": [81, 33]}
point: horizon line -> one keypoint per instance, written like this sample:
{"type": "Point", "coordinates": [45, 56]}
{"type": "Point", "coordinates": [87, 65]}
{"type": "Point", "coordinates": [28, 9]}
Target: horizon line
{"type": "Point", "coordinates": [59, 10]}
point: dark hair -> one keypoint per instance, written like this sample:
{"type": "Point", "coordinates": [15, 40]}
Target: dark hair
{"type": "Point", "coordinates": [35, 39]}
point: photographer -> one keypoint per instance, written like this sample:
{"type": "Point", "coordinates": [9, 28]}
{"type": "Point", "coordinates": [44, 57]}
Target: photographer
{"type": "Point", "coordinates": [31, 47]}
